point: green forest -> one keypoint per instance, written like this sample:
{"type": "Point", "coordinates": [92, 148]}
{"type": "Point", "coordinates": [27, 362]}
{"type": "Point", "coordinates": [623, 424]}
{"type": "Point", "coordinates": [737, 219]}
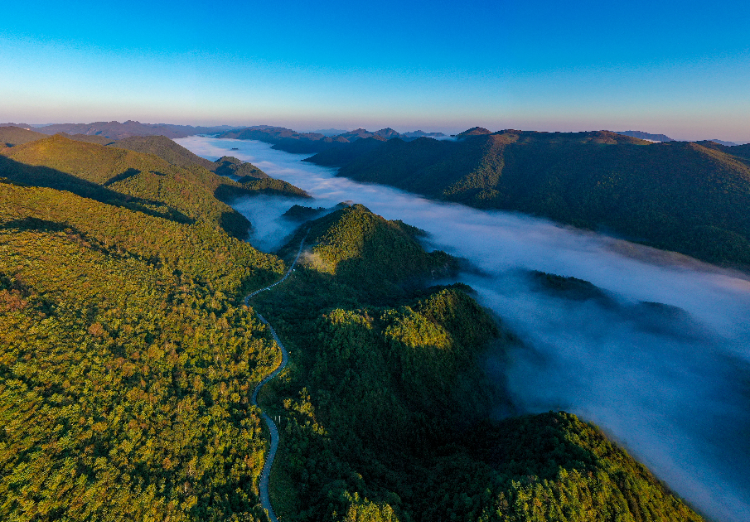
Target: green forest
{"type": "Point", "coordinates": [127, 356]}
{"type": "Point", "coordinates": [128, 359]}
{"type": "Point", "coordinates": [687, 197]}
{"type": "Point", "coordinates": [384, 408]}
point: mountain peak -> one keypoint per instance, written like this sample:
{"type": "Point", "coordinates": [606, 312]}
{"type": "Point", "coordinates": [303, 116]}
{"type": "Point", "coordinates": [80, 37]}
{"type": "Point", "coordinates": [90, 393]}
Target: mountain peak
{"type": "Point", "coordinates": [475, 131]}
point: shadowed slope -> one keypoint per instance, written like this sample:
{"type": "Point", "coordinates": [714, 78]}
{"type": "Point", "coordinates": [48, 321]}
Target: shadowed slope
{"type": "Point", "coordinates": [132, 174]}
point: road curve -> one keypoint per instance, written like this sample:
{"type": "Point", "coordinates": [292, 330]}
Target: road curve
{"type": "Point", "coordinates": [265, 475]}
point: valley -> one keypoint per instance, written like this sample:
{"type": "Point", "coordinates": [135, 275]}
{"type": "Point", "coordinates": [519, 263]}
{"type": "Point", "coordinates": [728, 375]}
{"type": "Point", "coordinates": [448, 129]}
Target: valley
{"type": "Point", "coordinates": [609, 369]}
{"type": "Point", "coordinates": [445, 362]}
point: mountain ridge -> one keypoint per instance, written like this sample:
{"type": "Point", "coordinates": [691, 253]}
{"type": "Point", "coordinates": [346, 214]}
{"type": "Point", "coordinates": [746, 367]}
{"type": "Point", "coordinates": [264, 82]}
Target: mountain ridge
{"type": "Point", "coordinates": [681, 196]}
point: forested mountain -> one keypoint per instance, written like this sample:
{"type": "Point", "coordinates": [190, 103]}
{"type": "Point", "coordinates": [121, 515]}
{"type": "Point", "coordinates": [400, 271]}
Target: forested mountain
{"type": "Point", "coordinates": [126, 358]}
{"type": "Point", "coordinates": [166, 149]}
{"type": "Point", "coordinates": [140, 181]}
{"type": "Point", "coordinates": [384, 410]}
{"type": "Point", "coordinates": [127, 362]}
{"type": "Point", "coordinates": [421, 134]}
{"type": "Point", "coordinates": [378, 258]}
{"type": "Point", "coordinates": [11, 136]}
{"type": "Point", "coordinates": [687, 197]}
{"type": "Point", "coordinates": [116, 130]}
{"type": "Point", "coordinates": [178, 155]}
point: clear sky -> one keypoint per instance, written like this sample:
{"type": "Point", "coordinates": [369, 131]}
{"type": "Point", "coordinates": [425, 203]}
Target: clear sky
{"type": "Point", "coordinates": [676, 67]}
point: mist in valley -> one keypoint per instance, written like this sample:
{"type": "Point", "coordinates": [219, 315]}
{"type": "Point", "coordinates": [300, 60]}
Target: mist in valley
{"type": "Point", "coordinates": [660, 360]}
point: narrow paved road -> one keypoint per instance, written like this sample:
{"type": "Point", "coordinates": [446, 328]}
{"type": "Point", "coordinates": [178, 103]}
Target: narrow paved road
{"type": "Point", "coordinates": [265, 475]}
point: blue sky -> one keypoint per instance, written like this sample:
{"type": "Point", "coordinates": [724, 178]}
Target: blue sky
{"type": "Point", "coordinates": [681, 68]}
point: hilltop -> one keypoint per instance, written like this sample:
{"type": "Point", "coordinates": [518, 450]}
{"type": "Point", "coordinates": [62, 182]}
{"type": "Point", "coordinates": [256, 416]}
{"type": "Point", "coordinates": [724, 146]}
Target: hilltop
{"type": "Point", "coordinates": [166, 149]}
{"type": "Point", "coordinates": [373, 255]}
{"type": "Point", "coordinates": [231, 166]}
{"type": "Point", "coordinates": [11, 136]}
{"type": "Point", "coordinates": [687, 197]}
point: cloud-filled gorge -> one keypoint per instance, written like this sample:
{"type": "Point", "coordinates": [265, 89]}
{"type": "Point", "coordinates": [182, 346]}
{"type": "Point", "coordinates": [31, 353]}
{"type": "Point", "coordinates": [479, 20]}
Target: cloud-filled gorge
{"type": "Point", "coordinates": [660, 360]}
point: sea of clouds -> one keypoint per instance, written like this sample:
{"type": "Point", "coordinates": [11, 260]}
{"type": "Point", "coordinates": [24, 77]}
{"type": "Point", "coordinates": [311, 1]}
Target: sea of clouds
{"type": "Point", "coordinates": [670, 383]}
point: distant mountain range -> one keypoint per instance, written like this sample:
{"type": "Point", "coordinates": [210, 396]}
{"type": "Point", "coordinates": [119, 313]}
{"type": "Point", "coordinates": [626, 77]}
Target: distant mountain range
{"type": "Point", "coordinates": [329, 132]}
{"type": "Point", "coordinates": [647, 136]}
{"type": "Point", "coordinates": [422, 134]}
{"type": "Point", "coordinates": [116, 130]}
{"type": "Point", "coordinates": [688, 197]}
{"type": "Point", "coordinates": [311, 142]}
{"type": "Point", "coordinates": [664, 138]}
{"type": "Point", "coordinates": [725, 143]}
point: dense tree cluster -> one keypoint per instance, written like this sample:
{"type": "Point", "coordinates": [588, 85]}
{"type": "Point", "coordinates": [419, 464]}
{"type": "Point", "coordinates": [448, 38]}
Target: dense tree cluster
{"type": "Point", "coordinates": [378, 258]}
{"type": "Point", "coordinates": [127, 359]}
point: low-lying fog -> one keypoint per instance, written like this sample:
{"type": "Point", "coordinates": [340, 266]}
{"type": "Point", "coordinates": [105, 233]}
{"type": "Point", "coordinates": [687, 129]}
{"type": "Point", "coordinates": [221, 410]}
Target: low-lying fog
{"type": "Point", "coordinates": [673, 386]}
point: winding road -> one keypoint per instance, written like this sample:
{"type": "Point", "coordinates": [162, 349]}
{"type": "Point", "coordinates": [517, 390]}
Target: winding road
{"type": "Point", "coordinates": [265, 475]}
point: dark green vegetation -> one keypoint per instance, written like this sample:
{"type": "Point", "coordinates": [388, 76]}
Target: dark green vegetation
{"type": "Point", "coordinates": [300, 214]}
{"type": "Point", "coordinates": [384, 406]}
{"type": "Point", "coordinates": [347, 241]}
{"type": "Point", "coordinates": [12, 136]}
{"type": "Point", "coordinates": [231, 166]}
{"type": "Point", "coordinates": [126, 356]}
{"type": "Point", "coordinates": [688, 197]}
{"type": "Point", "coordinates": [568, 287]}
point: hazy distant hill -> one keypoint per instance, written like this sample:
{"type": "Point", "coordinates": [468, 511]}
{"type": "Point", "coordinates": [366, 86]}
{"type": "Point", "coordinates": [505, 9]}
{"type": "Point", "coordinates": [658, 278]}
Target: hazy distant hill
{"type": "Point", "coordinates": [89, 138]}
{"type": "Point", "coordinates": [725, 143]}
{"type": "Point", "coordinates": [680, 196]}
{"type": "Point", "coordinates": [11, 136]}
{"type": "Point", "coordinates": [289, 140]}
{"type": "Point", "coordinates": [329, 132]}
{"type": "Point", "coordinates": [19, 125]}
{"type": "Point", "coordinates": [116, 130]}
{"type": "Point", "coordinates": [646, 136]}
{"type": "Point", "coordinates": [421, 134]}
